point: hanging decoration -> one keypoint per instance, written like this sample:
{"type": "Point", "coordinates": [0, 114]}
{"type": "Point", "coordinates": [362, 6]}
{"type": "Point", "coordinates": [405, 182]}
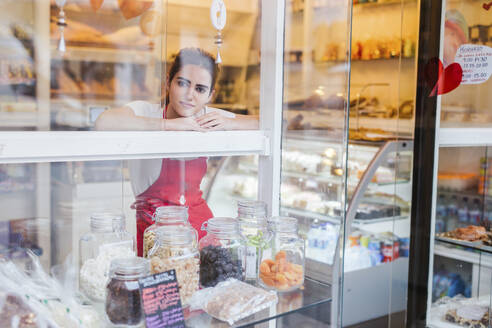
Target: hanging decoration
{"type": "Point", "coordinates": [218, 16]}
{"type": "Point", "coordinates": [150, 23]}
{"type": "Point", "coordinates": [134, 8]}
{"type": "Point", "coordinates": [62, 23]}
{"type": "Point", "coordinates": [96, 4]}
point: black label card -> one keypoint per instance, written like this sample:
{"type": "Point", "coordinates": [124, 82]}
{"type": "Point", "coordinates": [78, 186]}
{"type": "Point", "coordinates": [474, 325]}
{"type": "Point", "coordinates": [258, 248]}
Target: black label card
{"type": "Point", "coordinates": [160, 300]}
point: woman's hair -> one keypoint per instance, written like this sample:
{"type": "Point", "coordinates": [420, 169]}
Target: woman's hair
{"type": "Point", "coordinates": [198, 57]}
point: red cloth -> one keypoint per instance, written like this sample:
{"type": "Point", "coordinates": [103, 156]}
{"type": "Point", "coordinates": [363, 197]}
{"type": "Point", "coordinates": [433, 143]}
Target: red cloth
{"type": "Point", "coordinates": [178, 178]}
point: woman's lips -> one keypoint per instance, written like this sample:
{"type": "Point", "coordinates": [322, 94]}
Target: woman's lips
{"type": "Point", "coordinates": [187, 105]}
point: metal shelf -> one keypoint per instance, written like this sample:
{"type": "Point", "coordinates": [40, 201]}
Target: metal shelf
{"type": "Point", "coordinates": [477, 245]}
{"type": "Point", "coordinates": [478, 135]}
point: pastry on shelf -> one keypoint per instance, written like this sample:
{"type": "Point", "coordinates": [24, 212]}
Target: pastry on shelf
{"type": "Point", "coordinates": [470, 233]}
{"type": "Point", "coordinates": [457, 181]}
{"type": "Point", "coordinates": [76, 32]}
{"type": "Point", "coordinates": [369, 134]}
{"type": "Point", "coordinates": [475, 316]}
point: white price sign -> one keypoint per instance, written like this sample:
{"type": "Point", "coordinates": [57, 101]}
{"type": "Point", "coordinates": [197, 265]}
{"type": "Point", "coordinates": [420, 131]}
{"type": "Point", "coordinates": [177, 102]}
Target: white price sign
{"type": "Point", "coordinates": [476, 62]}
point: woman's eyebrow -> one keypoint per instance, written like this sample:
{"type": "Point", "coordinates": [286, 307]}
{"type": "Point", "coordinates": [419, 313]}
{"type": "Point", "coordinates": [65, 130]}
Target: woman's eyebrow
{"type": "Point", "coordinates": [189, 82]}
{"type": "Point", "coordinates": [183, 79]}
{"type": "Point", "coordinates": [203, 86]}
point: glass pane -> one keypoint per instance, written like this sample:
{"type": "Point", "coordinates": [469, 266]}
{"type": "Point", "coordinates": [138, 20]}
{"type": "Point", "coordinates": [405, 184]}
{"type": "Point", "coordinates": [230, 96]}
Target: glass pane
{"type": "Point", "coordinates": [467, 30]}
{"type": "Point", "coordinates": [64, 63]}
{"type": "Point", "coordinates": [316, 75]}
{"type": "Point", "coordinates": [461, 277]}
{"type": "Point", "coordinates": [379, 163]}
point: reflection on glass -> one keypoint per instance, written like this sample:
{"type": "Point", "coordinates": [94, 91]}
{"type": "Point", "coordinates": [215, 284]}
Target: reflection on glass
{"type": "Point", "coordinates": [100, 55]}
{"type": "Point", "coordinates": [466, 24]}
{"type": "Point", "coordinates": [189, 88]}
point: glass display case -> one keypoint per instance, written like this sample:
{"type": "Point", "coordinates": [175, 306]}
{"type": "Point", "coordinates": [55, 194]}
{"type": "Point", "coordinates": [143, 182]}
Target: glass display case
{"type": "Point", "coordinates": [118, 107]}
{"type": "Point", "coordinates": [449, 280]}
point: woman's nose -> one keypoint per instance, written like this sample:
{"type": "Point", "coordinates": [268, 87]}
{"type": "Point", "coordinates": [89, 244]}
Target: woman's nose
{"type": "Point", "coordinates": [189, 93]}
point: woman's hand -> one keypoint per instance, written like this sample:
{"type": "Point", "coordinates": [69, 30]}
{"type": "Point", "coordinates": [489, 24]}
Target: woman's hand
{"type": "Point", "coordinates": [183, 124]}
{"type": "Point", "coordinates": [214, 121]}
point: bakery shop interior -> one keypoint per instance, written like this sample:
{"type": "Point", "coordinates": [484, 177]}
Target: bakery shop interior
{"type": "Point", "coordinates": [246, 163]}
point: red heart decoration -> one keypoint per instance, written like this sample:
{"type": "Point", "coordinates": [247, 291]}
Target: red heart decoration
{"type": "Point", "coordinates": [450, 80]}
{"type": "Point", "coordinates": [442, 80]}
{"type": "Point", "coordinates": [487, 6]}
{"type": "Point", "coordinates": [433, 70]}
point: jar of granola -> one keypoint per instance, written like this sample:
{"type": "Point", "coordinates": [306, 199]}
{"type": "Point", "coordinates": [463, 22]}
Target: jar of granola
{"type": "Point", "coordinates": [175, 248]}
{"type": "Point", "coordinates": [166, 216]}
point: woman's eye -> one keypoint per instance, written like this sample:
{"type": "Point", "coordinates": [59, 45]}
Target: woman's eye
{"type": "Point", "coordinates": [182, 83]}
{"type": "Point", "coordinates": [201, 89]}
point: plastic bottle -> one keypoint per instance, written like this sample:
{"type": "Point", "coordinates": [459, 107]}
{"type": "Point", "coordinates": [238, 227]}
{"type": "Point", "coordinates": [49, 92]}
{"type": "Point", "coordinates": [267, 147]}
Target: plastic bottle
{"type": "Point", "coordinates": [452, 214]}
{"type": "Point", "coordinates": [463, 213]}
{"type": "Point", "coordinates": [311, 242]}
{"type": "Point", "coordinates": [324, 240]}
{"type": "Point", "coordinates": [475, 213]}
{"type": "Point", "coordinates": [452, 206]}
{"type": "Point", "coordinates": [441, 214]}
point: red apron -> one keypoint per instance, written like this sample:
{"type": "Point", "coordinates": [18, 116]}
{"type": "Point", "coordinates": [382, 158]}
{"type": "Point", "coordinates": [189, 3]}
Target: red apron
{"type": "Point", "coordinates": [178, 184]}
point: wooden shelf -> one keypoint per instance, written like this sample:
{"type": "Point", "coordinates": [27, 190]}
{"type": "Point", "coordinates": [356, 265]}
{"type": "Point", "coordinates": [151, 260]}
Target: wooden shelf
{"type": "Point", "coordinates": [105, 55]}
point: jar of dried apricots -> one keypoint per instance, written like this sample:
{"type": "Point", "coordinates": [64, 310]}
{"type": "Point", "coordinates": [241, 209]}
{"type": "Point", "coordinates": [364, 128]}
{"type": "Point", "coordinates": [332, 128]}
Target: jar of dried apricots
{"type": "Point", "coordinates": [283, 269]}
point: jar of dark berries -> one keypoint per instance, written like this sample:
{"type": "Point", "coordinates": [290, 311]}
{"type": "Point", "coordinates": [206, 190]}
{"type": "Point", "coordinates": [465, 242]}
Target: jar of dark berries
{"type": "Point", "coordinates": [123, 306]}
{"type": "Point", "coordinates": [222, 252]}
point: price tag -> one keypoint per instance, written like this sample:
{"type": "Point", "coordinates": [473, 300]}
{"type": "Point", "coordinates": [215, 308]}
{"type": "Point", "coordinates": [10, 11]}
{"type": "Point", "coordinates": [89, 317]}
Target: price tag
{"type": "Point", "coordinates": [476, 62]}
{"type": "Point", "coordinates": [160, 300]}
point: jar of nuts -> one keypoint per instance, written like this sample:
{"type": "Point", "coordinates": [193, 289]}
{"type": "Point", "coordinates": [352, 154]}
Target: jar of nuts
{"type": "Point", "coordinates": [166, 216]}
{"type": "Point", "coordinates": [175, 248]}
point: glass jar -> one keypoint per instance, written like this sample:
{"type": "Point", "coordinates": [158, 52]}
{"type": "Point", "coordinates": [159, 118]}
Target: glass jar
{"type": "Point", "coordinates": [253, 227]}
{"type": "Point", "coordinates": [283, 270]}
{"type": "Point", "coordinates": [166, 216]}
{"type": "Point", "coordinates": [175, 248]}
{"type": "Point", "coordinates": [221, 252]}
{"type": "Point", "coordinates": [106, 241]}
{"type": "Point", "coordinates": [123, 306]}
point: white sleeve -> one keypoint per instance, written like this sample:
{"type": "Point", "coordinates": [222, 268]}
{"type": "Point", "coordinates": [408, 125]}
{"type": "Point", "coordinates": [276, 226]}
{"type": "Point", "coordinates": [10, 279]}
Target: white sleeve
{"type": "Point", "coordinates": [220, 111]}
{"type": "Point", "coordinates": [145, 109]}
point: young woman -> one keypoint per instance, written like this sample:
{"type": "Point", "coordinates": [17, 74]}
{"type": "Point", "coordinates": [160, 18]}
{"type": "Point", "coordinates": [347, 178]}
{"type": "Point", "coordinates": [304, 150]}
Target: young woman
{"type": "Point", "coordinates": [190, 87]}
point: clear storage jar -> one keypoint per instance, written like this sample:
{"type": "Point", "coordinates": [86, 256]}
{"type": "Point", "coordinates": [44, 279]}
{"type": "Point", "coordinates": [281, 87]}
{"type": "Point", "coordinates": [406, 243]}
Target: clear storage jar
{"type": "Point", "coordinates": [283, 270]}
{"type": "Point", "coordinates": [175, 248]}
{"type": "Point", "coordinates": [166, 216]}
{"type": "Point", "coordinates": [253, 227]}
{"type": "Point", "coordinates": [222, 252]}
{"type": "Point", "coordinates": [123, 307]}
{"type": "Point", "coordinates": [106, 240]}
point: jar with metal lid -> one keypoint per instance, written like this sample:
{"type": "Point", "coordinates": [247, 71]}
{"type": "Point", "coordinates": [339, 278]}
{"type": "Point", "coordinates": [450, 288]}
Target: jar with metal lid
{"type": "Point", "coordinates": [283, 269]}
{"type": "Point", "coordinates": [175, 248]}
{"type": "Point", "coordinates": [106, 241]}
{"type": "Point", "coordinates": [254, 228]}
{"type": "Point", "coordinates": [123, 307]}
{"type": "Point", "coordinates": [166, 216]}
{"type": "Point", "coordinates": [222, 252]}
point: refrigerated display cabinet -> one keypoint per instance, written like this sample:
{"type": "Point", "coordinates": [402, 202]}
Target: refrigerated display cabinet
{"type": "Point", "coordinates": [88, 57]}
{"type": "Point", "coordinates": [450, 275]}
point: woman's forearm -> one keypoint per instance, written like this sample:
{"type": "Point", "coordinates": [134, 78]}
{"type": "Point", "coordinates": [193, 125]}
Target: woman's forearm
{"type": "Point", "coordinates": [245, 122]}
{"type": "Point", "coordinates": [123, 119]}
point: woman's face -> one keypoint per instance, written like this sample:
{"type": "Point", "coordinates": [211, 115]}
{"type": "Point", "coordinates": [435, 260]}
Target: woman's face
{"type": "Point", "coordinates": [190, 90]}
